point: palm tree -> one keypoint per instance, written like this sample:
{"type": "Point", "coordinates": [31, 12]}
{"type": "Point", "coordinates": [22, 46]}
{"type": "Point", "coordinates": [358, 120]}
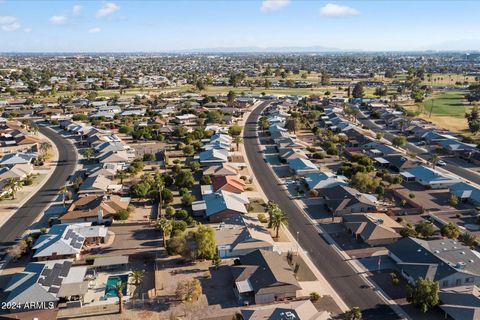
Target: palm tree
{"type": "Point", "coordinates": [118, 287]}
{"type": "Point", "coordinates": [166, 227]}
{"type": "Point", "coordinates": [159, 184]}
{"type": "Point", "coordinates": [14, 184]}
{"type": "Point", "coordinates": [238, 140]}
{"type": "Point", "coordinates": [353, 314]}
{"type": "Point", "coordinates": [137, 276]}
{"type": "Point", "coordinates": [121, 175]}
{"type": "Point", "coordinates": [64, 191]}
{"type": "Point", "coordinates": [88, 153]}
{"type": "Point", "coordinates": [278, 219]}
{"type": "Point", "coordinates": [434, 160]}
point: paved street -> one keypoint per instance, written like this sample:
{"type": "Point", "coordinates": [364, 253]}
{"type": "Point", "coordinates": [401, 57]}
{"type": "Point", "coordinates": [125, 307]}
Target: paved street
{"type": "Point", "coordinates": [348, 284]}
{"type": "Point", "coordinates": [27, 214]}
{"type": "Point", "coordinates": [453, 168]}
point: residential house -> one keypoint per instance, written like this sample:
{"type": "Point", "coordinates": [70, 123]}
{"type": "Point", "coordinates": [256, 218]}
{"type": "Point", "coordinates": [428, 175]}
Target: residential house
{"type": "Point", "coordinates": [466, 192]}
{"type": "Point", "coordinates": [213, 156]}
{"type": "Point", "coordinates": [375, 229]}
{"type": "Point", "coordinates": [239, 235]}
{"type": "Point", "coordinates": [95, 209]}
{"type": "Point", "coordinates": [46, 283]}
{"type": "Point", "coordinates": [396, 162]}
{"type": "Point", "coordinates": [324, 180]}
{"type": "Point", "coordinates": [444, 260]}
{"type": "Point", "coordinates": [430, 178]}
{"type": "Point", "coordinates": [342, 200]}
{"type": "Point", "coordinates": [222, 204]}
{"type": "Point", "coordinates": [65, 241]}
{"type": "Point", "coordinates": [300, 166]}
{"type": "Point", "coordinates": [228, 183]}
{"type": "Point", "coordinates": [223, 169]}
{"type": "Point", "coordinates": [12, 159]}
{"type": "Point", "coordinates": [265, 277]}
{"type": "Point", "coordinates": [97, 185]}
{"type": "Point", "coordinates": [292, 310]}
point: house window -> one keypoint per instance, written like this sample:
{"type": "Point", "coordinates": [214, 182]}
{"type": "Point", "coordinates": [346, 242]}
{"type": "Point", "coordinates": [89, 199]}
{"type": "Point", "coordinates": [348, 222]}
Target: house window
{"type": "Point", "coordinates": [445, 283]}
{"type": "Point", "coordinates": [459, 282]}
{"type": "Point", "coordinates": [468, 280]}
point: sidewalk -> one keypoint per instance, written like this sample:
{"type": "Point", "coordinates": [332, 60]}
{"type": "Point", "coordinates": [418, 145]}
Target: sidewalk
{"type": "Point", "coordinates": [8, 209]}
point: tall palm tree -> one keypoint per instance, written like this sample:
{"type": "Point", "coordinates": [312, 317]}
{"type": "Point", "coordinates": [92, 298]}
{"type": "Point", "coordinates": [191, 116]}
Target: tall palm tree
{"type": "Point", "coordinates": [64, 192]}
{"type": "Point", "coordinates": [14, 184]}
{"type": "Point", "coordinates": [166, 227]}
{"type": "Point", "coordinates": [238, 140]}
{"type": "Point", "coordinates": [278, 219]}
{"type": "Point", "coordinates": [159, 185]}
{"type": "Point", "coordinates": [121, 175]}
{"type": "Point", "coordinates": [137, 276]}
{"type": "Point", "coordinates": [118, 287]}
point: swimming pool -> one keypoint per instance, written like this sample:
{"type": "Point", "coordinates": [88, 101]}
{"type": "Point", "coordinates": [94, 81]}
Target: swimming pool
{"type": "Point", "coordinates": [112, 281]}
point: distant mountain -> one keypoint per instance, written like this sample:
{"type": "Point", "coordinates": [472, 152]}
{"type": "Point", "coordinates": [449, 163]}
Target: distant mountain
{"type": "Point", "coordinates": [311, 49]}
{"type": "Point", "coordinates": [455, 45]}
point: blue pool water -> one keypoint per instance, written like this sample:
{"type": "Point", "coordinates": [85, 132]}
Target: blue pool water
{"type": "Point", "coordinates": [112, 281]}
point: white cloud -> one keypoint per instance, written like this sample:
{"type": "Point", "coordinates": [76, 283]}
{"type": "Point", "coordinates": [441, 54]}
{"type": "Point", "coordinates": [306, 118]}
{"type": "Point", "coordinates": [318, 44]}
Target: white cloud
{"type": "Point", "coordinates": [27, 30]}
{"type": "Point", "coordinates": [77, 9]}
{"type": "Point", "coordinates": [269, 5]}
{"type": "Point", "coordinates": [94, 30]}
{"type": "Point", "coordinates": [58, 19]}
{"type": "Point", "coordinates": [335, 10]}
{"type": "Point", "coordinates": [107, 9]}
{"type": "Point", "coordinates": [9, 23]}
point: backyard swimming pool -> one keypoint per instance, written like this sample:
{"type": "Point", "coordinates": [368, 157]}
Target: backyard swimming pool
{"type": "Point", "coordinates": [112, 281]}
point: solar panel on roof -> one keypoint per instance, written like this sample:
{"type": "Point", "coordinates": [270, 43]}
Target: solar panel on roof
{"type": "Point", "coordinates": [65, 268]}
{"type": "Point", "coordinates": [57, 281]}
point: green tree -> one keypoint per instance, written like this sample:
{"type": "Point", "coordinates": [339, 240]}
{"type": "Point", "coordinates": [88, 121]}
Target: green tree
{"type": "Point", "coordinates": [450, 230]}
{"type": "Point", "coordinates": [205, 240]}
{"type": "Point", "coordinates": [188, 151]}
{"type": "Point", "coordinates": [88, 153]}
{"type": "Point", "coordinates": [399, 141]}
{"type": "Point", "coordinates": [184, 179]}
{"type": "Point", "coordinates": [426, 229]}
{"type": "Point", "coordinates": [237, 141]}
{"type": "Point", "coordinates": [353, 314]}
{"type": "Point", "coordinates": [473, 119]}
{"type": "Point", "coordinates": [194, 166]}
{"type": "Point", "coordinates": [118, 287]}
{"type": "Point", "coordinates": [140, 190]}
{"type": "Point", "coordinates": [453, 200]}
{"type": "Point", "coordinates": [408, 232]}
{"type": "Point", "coordinates": [13, 184]}
{"type": "Point", "coordinates": [235, 130]}
{"type": "Point", "coordinates": [358, 91]}
{"type": "Point", "coordinates": [469, 239]}
{"type": "Point", "coordinates": [121, 175]}
{"type": "Point", "coordinates": [167, 196]}
{"type": "Point", "coordinates": [424, 295]}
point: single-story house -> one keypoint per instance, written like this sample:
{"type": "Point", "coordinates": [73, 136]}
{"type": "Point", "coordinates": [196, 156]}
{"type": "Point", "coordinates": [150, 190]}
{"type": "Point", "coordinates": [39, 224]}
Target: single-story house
{"type": "Point", "coordinates": [375, 229]}
{"type": "Point", "coordinates": [45, 283]}
{"type": "Point", "coordinates": [265, 277]}
{"type": "Point", "coordinates": [342, 200]}
{"type": "Point", "coordinates": [300, 166]}
{"type": "Point", "coordinates": [429, 177]}
{"type": "Point", "coordinates": [241, 234]}
{"type": "Point", "coordinates": [222, 204]}
{"type": "Point", "coordinates": [228, 183]}
{"type": "Point", "coordinates": [324, 180]}
{"type": "Point", "coordinates": [213, 156]}
{"type": "Point", "coordinates": [295, 310]}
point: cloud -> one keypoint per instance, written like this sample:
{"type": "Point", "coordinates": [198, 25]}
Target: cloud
{"type": "Point", "coordinates": [58, 19]}
{"type": "Point", "coordinates": [27, 30]}
{"type": "Point", "coordinates": [77, 9]}
{"type": "Point", "coordinates": [94, 30]}
{"type": "Point", "coordinates": [9, 23]}
{"type": "Point", "coordinates": [270, 5]}
{"type": "Point", "coordinates": [107, 9]}
{"type": "Point", "coordinates": [335, 10]}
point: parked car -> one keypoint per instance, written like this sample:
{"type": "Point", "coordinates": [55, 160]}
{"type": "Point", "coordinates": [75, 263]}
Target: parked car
{"type": "Point", "coordinates": [441, 163]}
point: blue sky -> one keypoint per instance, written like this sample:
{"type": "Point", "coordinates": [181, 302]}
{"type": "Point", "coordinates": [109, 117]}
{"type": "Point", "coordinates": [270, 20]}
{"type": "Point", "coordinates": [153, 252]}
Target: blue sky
{"type": "Point", "coordinates": [118, 26]}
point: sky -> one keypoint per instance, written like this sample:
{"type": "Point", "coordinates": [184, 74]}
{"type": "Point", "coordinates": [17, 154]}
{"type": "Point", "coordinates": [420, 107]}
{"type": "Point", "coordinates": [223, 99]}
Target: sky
{"type": "Point", "coordinates": [170, 25]}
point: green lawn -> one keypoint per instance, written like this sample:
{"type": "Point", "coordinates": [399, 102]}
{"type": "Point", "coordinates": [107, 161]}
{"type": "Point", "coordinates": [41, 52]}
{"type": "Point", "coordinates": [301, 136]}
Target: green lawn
{"type": "Point", "coordinates": [450, 103]}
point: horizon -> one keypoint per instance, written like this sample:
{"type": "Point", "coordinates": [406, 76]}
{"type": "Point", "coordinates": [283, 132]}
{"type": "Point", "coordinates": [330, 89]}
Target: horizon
{"type": "Point", "coordinates": [189, 26]}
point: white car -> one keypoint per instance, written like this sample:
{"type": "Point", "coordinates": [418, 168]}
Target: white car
{"type": "Point", "coordinates": [441, 163]}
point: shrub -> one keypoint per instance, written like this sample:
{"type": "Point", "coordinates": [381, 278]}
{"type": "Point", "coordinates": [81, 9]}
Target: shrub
{"type": "Point", "coordinates": [314, 296]}
{"type": "Point", "coordinates": [411, 195]}
{"type": "Point", "coordinates": [122, 214]}
{"type": "Point", "coordinates": [262, 218]}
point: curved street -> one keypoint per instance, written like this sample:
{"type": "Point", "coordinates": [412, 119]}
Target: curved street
{"type": "Point", "coordinates": [27, 214]}
{"type": "Point", "coordinates": [349, 285]}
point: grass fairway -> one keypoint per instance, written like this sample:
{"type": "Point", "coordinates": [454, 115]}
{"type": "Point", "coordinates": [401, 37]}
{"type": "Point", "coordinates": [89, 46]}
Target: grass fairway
{"type": "Point", "coordinates": [448, 110]}
{"type": "Point", "coordinates": [448, 103]}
